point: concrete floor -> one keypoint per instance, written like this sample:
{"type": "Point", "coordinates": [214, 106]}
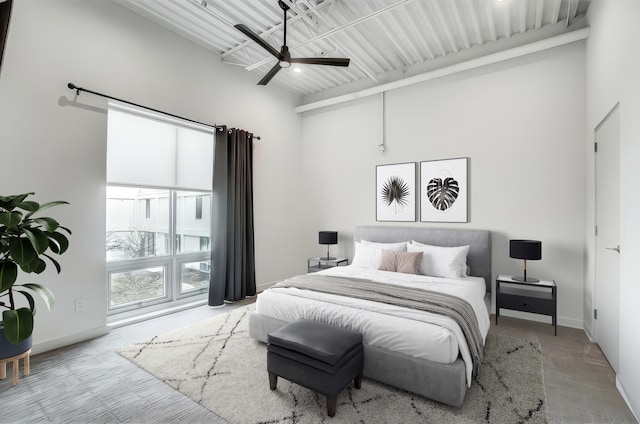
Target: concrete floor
{"type": "Point", "coordinates": [90, 383]}
{"type": "Point", "coordinates": [579, 382]}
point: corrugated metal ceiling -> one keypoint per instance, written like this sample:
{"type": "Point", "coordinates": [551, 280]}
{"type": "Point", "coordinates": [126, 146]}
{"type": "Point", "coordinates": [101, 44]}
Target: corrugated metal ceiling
{"type": "Point", "coordinates": [385, 39]}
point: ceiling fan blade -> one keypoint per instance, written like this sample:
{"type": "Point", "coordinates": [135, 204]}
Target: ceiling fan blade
{"type": "Point", "coordinates": [255, 37]}
{"type": "Point", "coordinates": [272, 73]}
{"type": "Point", "coordinates": [332, 61]}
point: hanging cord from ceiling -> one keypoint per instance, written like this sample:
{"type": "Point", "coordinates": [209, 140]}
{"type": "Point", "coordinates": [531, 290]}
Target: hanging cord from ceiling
{"type": "Point", "coordinates": [382, 147]}
{"type": "Point", "coordinates": [72, 86]}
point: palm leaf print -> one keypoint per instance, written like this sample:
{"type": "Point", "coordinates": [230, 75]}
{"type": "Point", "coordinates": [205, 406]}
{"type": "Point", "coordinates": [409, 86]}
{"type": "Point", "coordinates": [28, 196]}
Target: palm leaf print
{"type": "Point", "coordinates": [395, 189]}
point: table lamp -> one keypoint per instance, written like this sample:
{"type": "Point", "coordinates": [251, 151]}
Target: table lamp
{"type": "Point", "coordinates": [328, 238]}
{"type": "Point", "coordinates": [525, 249]}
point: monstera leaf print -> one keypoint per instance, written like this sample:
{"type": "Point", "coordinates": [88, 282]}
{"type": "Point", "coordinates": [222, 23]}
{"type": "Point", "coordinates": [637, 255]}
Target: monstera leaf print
{"type": "Point", "coordinates": [442, 194]}
{"type": "Point", "coordinates": [395, 189]}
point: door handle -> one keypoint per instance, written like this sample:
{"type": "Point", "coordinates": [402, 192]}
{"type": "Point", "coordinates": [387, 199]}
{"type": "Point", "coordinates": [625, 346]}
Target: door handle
{"type": "Point", "coordinates": [617, 248]}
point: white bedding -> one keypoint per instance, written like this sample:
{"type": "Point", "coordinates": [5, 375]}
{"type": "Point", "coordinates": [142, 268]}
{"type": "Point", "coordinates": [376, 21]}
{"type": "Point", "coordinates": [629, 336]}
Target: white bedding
{"type": "Point", "coordinates": [416, 333]}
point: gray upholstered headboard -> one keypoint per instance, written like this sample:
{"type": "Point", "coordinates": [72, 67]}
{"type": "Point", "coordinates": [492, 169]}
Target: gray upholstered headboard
{"type": "Point", "coordinates": [478, 258]}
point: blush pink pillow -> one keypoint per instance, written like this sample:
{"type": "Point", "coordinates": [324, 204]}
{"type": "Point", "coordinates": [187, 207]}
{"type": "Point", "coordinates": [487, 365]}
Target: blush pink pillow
{"type": "Point", "coordinates": [407, 263]}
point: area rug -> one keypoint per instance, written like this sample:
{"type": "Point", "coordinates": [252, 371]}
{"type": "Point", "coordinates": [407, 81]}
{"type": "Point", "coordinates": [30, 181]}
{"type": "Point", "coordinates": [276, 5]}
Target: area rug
{"type": "Point", "coordinates": [217, 364]}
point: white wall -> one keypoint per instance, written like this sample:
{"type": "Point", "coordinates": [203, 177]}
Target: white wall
{"type": "Point", "coordinates": [613, 67]}
{"type": "Point", "coordinates": [520, 122]}
{"type": "Point", "coordinates": [57, 148]}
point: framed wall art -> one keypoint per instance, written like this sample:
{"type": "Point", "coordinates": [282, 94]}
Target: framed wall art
{"type": "Point", "coordinates": [444, 190]}
{"type": "Point", "coordinates": [396, 192]}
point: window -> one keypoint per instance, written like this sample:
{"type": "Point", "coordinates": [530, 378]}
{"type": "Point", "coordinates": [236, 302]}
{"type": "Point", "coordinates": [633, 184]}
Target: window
{"type": "Point", "coordinates": [198, 207]}
{"type": "Point", "coordinates": [159, 176]}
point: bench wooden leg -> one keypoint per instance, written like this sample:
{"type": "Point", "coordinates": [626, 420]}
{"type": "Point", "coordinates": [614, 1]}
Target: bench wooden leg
{"type": "Point", "coordinates": [357, 382]}
{"type": "Point", "coordinates": [273, 380]}
{"type": "Point", "coordinates": [331, 406]}
{"type": "Point", "coordinates": [3, 370]}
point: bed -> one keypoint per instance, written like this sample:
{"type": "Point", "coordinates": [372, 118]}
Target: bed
{"type": "Point", "coordinates": [421, 352]}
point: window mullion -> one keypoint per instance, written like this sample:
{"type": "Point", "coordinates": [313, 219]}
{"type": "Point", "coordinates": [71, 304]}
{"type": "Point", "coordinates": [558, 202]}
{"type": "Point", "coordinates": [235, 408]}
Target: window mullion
{"type": "Point", "coordinates": [173, 213]}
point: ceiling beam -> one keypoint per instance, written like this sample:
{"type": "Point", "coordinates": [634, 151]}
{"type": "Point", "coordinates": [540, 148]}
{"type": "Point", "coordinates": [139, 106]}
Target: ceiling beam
{"type": "Point", "coordinates": [539, 9]}
{"type": "Point", "coordinates": [426, 21]}
{"type": "Point", "coordinates": [555, 12]}
{"type": "Point", "coordinates": [444, 26]}
{"type": "Point", "coordinates": [490, 23]}
{"type": "Point", "coordinates": [506, 18]}
{"type": "Point", "coordinates": [548, 43]}
{"type": "Point", "coordinates": [415, 30]}
{"type": "Point", "coordinates": [473, 17]}
{"type": "Point", "coordinates": [523, 16]}
{"type": "Point", "coordinates": [456, 16]}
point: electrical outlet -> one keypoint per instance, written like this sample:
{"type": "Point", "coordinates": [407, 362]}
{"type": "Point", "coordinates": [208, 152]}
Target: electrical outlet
{"type": "Point", "coordinates": [79, 305]}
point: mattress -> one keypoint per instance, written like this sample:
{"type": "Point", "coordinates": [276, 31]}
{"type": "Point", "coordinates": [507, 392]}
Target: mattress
{"type": "Point", "coordinates": [417, 333]}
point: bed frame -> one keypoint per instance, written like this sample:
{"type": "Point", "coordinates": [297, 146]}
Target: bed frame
{"type": "Point", "coordinates": [444, 383]}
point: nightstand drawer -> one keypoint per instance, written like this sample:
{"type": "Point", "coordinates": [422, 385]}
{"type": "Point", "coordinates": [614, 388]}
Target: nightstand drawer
{"type": "Point", "coordinates": [319, 263]}
{"type": "Point", "coordinates": [521, 300]}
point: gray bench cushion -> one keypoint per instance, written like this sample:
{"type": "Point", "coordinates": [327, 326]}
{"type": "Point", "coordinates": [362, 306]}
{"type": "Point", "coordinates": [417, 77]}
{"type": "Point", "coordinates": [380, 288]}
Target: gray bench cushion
{"type": "Point", "coordinates": [316, 340]}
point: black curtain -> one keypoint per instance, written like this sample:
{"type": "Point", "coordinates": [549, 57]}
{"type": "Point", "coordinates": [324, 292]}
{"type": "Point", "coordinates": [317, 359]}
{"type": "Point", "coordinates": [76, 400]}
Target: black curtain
{"type": "Point", "coordinates": [5, 15]}
{"type": "Point", "coordinates": [233, 275]}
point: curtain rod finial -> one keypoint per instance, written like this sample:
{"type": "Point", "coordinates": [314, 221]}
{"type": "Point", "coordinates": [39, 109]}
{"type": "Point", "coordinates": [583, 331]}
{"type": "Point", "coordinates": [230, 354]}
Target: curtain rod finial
{"type": "Point", "coordinates": [74, 87]}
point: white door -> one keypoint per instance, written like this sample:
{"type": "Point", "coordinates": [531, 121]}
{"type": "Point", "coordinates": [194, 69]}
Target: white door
{"type": "Point", "coordinates": [607, 290]}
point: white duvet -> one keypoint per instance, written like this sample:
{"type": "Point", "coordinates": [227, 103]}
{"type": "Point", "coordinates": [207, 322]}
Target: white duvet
{"type": "Point", "coordinates": [416, 333]}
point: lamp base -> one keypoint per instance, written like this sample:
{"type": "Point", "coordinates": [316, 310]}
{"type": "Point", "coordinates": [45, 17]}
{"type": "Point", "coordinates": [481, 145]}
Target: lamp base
{"type": "Point", "coordinates": [526, 279]}
{"type": "Point", "coordinates": [327, 258]}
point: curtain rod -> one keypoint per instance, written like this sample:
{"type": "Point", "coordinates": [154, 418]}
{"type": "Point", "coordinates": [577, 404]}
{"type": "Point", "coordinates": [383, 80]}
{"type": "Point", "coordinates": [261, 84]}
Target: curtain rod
{"type": "Point", "coordinates": [79, 89]}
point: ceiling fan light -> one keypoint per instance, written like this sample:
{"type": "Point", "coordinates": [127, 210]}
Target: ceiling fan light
{"type": "Point", "coordinates": [284, 64]}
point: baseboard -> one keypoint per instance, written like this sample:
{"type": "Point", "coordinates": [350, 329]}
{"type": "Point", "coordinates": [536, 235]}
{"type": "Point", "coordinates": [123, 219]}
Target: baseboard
{"type": "Point", "coordinates": [263, 287]}
{"type": "Point", "coordinates": [563, 322]}
{"type": "Point", "coordinates": [626, 399]}
{"type": "Point", "coordinates": [589, 333]}
{"type": "Point", "coordinates": [69, 340]}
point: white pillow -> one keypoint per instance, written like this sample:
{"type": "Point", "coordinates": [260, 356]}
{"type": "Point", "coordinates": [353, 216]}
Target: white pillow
{"type": "Point", "coordinates": [395, 247]}
{"type": "Point", "coordinates": [439, 261]}
{"type": "Point", "coordinates": [369, 254]}
{"type": "Point", "coordinates": [365, 256]}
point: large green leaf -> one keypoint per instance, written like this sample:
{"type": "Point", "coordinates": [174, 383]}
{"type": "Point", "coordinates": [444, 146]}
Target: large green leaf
{"type": "Point", "coordinates": [58, 243]}
{"type": "Point", "coordinates": [8, 275]}
{"type": "Point", "coordinates": [18, 324]}
{"type": "Point", "coordinates": [10, 219]}
{"type": "Point", "coordinates": [22, 251]}
{"type": "Point", "coordinates": [47, 205]}
{"type": "Point", "coordinates": [28, 205]}
{"type": "Point", "coordinates": [53, 261]}
{"type": "Point", "coordinates": [38, 238]}
{"type": "Point", "coordinates": [38, 265]}
{"type": "Point", "coordinates": [30, 299]}
{"type": "Point", "coordinates": [9, 202]}
{"type": "Point", "coordinates": [45, 293]}
{"type": "Point", "coordinates": [49, 224]}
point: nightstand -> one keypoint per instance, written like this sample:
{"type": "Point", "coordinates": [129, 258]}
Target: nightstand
{"type": "Point", "coordinates": [319, 263]}
{"type": "Point", "coordinates": [520, 296]}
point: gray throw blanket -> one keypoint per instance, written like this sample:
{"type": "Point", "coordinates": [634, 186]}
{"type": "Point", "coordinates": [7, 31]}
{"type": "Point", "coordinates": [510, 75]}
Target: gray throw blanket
{"type": "Point", "coordinates": [425, 300]}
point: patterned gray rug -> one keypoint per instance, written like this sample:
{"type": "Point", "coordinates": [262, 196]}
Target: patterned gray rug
{"type": "Point", "coordinates": [215, 363]}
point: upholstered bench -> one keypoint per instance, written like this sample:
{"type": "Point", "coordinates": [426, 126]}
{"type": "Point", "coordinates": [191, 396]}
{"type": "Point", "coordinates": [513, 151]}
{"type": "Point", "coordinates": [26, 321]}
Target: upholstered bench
{"type": "Point", "coordinates": [317, 356]}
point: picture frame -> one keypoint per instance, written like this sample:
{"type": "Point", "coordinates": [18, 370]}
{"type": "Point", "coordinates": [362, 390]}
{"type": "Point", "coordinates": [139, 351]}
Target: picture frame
{"type": "Point", "coordinates": [396, 192]}
{"type": "Point", "coordinates": [444, 190]}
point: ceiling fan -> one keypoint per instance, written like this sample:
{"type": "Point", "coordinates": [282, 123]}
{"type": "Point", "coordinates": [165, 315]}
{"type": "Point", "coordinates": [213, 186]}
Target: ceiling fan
{"type": "Point", "coordinates": [284, 57]}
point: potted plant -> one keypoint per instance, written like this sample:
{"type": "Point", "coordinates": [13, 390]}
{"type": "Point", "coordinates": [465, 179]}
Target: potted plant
{"type": "Point", "coordinates": [26, 240]}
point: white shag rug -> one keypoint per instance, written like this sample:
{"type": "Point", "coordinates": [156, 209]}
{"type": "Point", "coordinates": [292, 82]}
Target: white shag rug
{"type": "Point", "coordinates": [217, 364]}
